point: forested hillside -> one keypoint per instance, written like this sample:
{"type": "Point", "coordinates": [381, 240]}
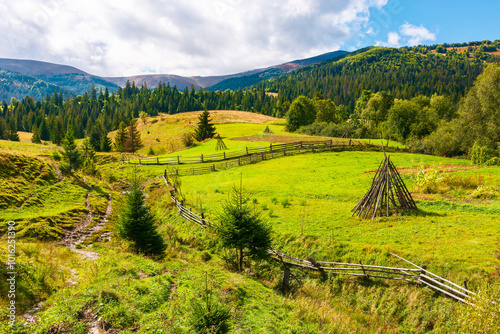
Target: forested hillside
{"type": "Point", "coordinates": [13, 84]}
{"type": "Point", "coordinates": [405, 73]}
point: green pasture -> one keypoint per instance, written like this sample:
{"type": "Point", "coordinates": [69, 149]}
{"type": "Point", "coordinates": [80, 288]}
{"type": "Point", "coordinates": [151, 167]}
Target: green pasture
{"type": "Point", "coordinates": [310, 196]}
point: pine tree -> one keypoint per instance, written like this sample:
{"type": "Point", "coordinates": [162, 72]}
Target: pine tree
{"type": "Point", "coordinates": [13, 136]}
{"type": "Point", "coordinates": [36, 137]}
{"type": "Point", "coordinates": [137, 224]}
{"type": "Point", "coordinates": [43, 131]}
{"type": "Point", "coordinates": [70, 151]}
{"type": "Point", "coordinates": [121, 137]}
{"type": "Point", "coordinates": [133, 142]}
{"type": "Point", "coordinates": [243, 229]}
{"type": "Point", "coordinates": [57, 132]}
{"type": "Point", "coordinates": [88, 157]}
{"type": "Point", "coordinates": [205, 129]}
{"type": "Point", "coordinates": [105, 143]}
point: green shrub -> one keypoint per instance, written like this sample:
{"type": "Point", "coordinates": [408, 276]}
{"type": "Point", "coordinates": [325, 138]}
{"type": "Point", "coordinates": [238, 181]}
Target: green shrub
{"type": "Point", "coordinates": [285, 203]}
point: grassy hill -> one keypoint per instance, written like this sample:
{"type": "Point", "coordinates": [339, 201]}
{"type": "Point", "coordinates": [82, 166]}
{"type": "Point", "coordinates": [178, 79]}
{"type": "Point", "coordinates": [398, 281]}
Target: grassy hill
{"type": "Point", "coordinates": [306, 198]}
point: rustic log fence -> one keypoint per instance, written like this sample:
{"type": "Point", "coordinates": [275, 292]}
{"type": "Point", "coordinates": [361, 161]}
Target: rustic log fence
{"type": "Point", "coordinates": [417, 275]}
{"type": "Point", "coordinates": [302, 146]}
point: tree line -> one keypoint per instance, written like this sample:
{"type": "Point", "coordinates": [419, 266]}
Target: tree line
{"type": "Point", "coordinates": [94, 114]}
{"type": "Point", "coordinates": [404, 72]}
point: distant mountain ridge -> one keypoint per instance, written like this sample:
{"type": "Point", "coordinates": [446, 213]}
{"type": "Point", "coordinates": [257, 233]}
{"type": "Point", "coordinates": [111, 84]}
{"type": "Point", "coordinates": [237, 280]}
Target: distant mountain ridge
{"type": "Point", "coordinates": [39, 78]}
{"type": "Point", "coordinates": [66, 77]}
{"type": "Point", "coordinates": [235, 83]}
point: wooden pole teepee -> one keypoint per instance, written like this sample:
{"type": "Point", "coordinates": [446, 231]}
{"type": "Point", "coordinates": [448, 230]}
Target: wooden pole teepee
{"type": "Point", "coordinates": [220, 144]}
{"type": "Point", "coordinates": [267, 130]}
{"type": "Point", "coordinates": [388, 193]}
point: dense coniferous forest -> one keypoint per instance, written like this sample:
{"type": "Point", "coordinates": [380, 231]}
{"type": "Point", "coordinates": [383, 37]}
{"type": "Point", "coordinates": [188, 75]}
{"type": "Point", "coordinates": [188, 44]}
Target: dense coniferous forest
{"type": "Point", "coordinates": [405, 73]}
{"type": "Point", "coordinates": [94, 114]}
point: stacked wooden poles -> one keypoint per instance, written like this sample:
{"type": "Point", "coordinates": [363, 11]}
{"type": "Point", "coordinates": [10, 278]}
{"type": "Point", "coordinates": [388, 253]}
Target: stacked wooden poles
{"type": "Point", "coordinates": [387, 193]}
{"type": "Point", "coordinates": [220, 144]}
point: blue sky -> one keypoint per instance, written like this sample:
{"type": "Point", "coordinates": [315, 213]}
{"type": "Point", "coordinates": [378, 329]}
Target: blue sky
{"type": "Point", "coordinates": [450, 21]}
{"type": "Point", "coordinates": [215, 37]}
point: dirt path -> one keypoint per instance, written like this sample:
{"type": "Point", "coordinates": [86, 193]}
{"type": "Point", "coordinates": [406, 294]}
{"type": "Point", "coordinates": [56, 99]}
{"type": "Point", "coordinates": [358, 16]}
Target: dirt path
{"type": "Point", "coordinates": [82, 231]}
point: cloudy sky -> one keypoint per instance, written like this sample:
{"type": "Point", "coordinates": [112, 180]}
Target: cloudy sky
{"type": "Point", "coordinates": [215, 37]}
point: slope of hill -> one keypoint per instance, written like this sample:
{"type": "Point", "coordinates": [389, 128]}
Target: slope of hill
{"type": "Point", "coordinates": [67, 77]}
{"type": "Point", "coordinates": [17, 85]}
{"type": "Point", "coordinates": [272, 72]}
{"type": "Point", "coordinates": [403, 72]}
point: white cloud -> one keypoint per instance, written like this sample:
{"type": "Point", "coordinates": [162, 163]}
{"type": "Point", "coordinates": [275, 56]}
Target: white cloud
{"type": "Point", "coordinates": [197, 37]}
{"type": "Point", "coordinates": [416, 35]}
{"type": "Point", "coordinates": [392, 40]}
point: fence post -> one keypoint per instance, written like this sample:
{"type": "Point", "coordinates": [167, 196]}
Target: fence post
{"type": "Point", "coordinates": [224, 155]}
{"type": "Point", "coordinates": [239, 161]}
{"type": "Point", "coordinates": [247, 150]}
{"type": "Point", "coordinates": [349, 142]}
{"type": "Point", "coordinates": [331, 143]}
{"type": "Point", "coordinates": [271, 147]}
{"type": "Point", "coordinates": [178, 160]}
{"type": "Point", "coordinates": [286, 280]}
{"type": "Point", "coordinates": [465, 286]}
{"type": "Point", "coordinates": [316, 265]}
{"type": "Point", "coordinates": [165, 174]}
{"type": "Point", "coordinates": [157, 160]}
{"type": "Point", "coordinates": [201, 157]}
{"type": "Point", "coordinates": [424, 267]}
{"type": "Point", "coordinates": [213, 168]}
{"type": "Point", "coordinates": [140, 162]}
{"type": "Point", "coordinates": [364, 272]}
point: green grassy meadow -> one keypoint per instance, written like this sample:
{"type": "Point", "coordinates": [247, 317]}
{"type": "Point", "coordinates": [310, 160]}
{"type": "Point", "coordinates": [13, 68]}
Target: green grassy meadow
{"type": "Point", "coordinates": [306, 198]}
{"type": "Point", "coordinates": [322, 188]}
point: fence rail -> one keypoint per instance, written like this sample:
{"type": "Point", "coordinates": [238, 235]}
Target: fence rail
{"type": "Point", "coordinates": [417, 274]}
{"type": "Point", "coordinates": [248, 151]}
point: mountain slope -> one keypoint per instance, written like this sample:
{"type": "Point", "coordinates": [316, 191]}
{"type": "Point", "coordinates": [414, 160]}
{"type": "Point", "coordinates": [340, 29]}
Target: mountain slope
{"type": "Point", "coordinates": [403, 72]}
{"type": "Point", "coordinates": [17, 85]}
{"type": "Point", "coordinates": [273, 72]}
{"type": "Point", "coordinates": [67, 77]}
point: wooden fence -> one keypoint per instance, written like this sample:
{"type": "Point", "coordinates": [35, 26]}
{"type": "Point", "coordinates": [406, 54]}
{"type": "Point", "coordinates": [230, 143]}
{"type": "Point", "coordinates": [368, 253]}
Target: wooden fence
{"type": "Point", "coordinates": [417, 274]}
{"type": "Point", "coordinates": [301, 146]}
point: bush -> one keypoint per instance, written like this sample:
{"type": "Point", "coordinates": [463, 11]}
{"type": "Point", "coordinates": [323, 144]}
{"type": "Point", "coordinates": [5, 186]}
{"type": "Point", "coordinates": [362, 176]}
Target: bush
{"type": "Point", "coordinates": [187, 139]}
{"type": "Point", "coordinates": [480, 155]}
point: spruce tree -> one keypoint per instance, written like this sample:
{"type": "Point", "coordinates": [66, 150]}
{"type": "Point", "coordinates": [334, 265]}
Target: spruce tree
{"type": "Point", "coordinates": [57, 133]}
{"type": "Point", "coordinates": [88, 157]}
{"type": "Point", "coordinates": [70, 151]}
{"type": "Point", "coordinates": [43, 131]}
{"type": "Point", "coordinates": [133, 142]}
{"type": "Point", "coordinates": [241, 228]}
{"type": "Point", "coordinates": [13, 136]}
{"type": "Point", "coordinates": [205, 129]}
{"type": "Point", "coordinates": [36, 137]}
{"type": "Point", "coordinates": [105, 143]}
{"type": "Point", "coordinates": [137, 224]}
{"type": "Point", "coordinates": [121, 137]}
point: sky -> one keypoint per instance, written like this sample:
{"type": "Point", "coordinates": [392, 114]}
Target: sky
{"type": "Point", "coordinates": [217, 37]}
